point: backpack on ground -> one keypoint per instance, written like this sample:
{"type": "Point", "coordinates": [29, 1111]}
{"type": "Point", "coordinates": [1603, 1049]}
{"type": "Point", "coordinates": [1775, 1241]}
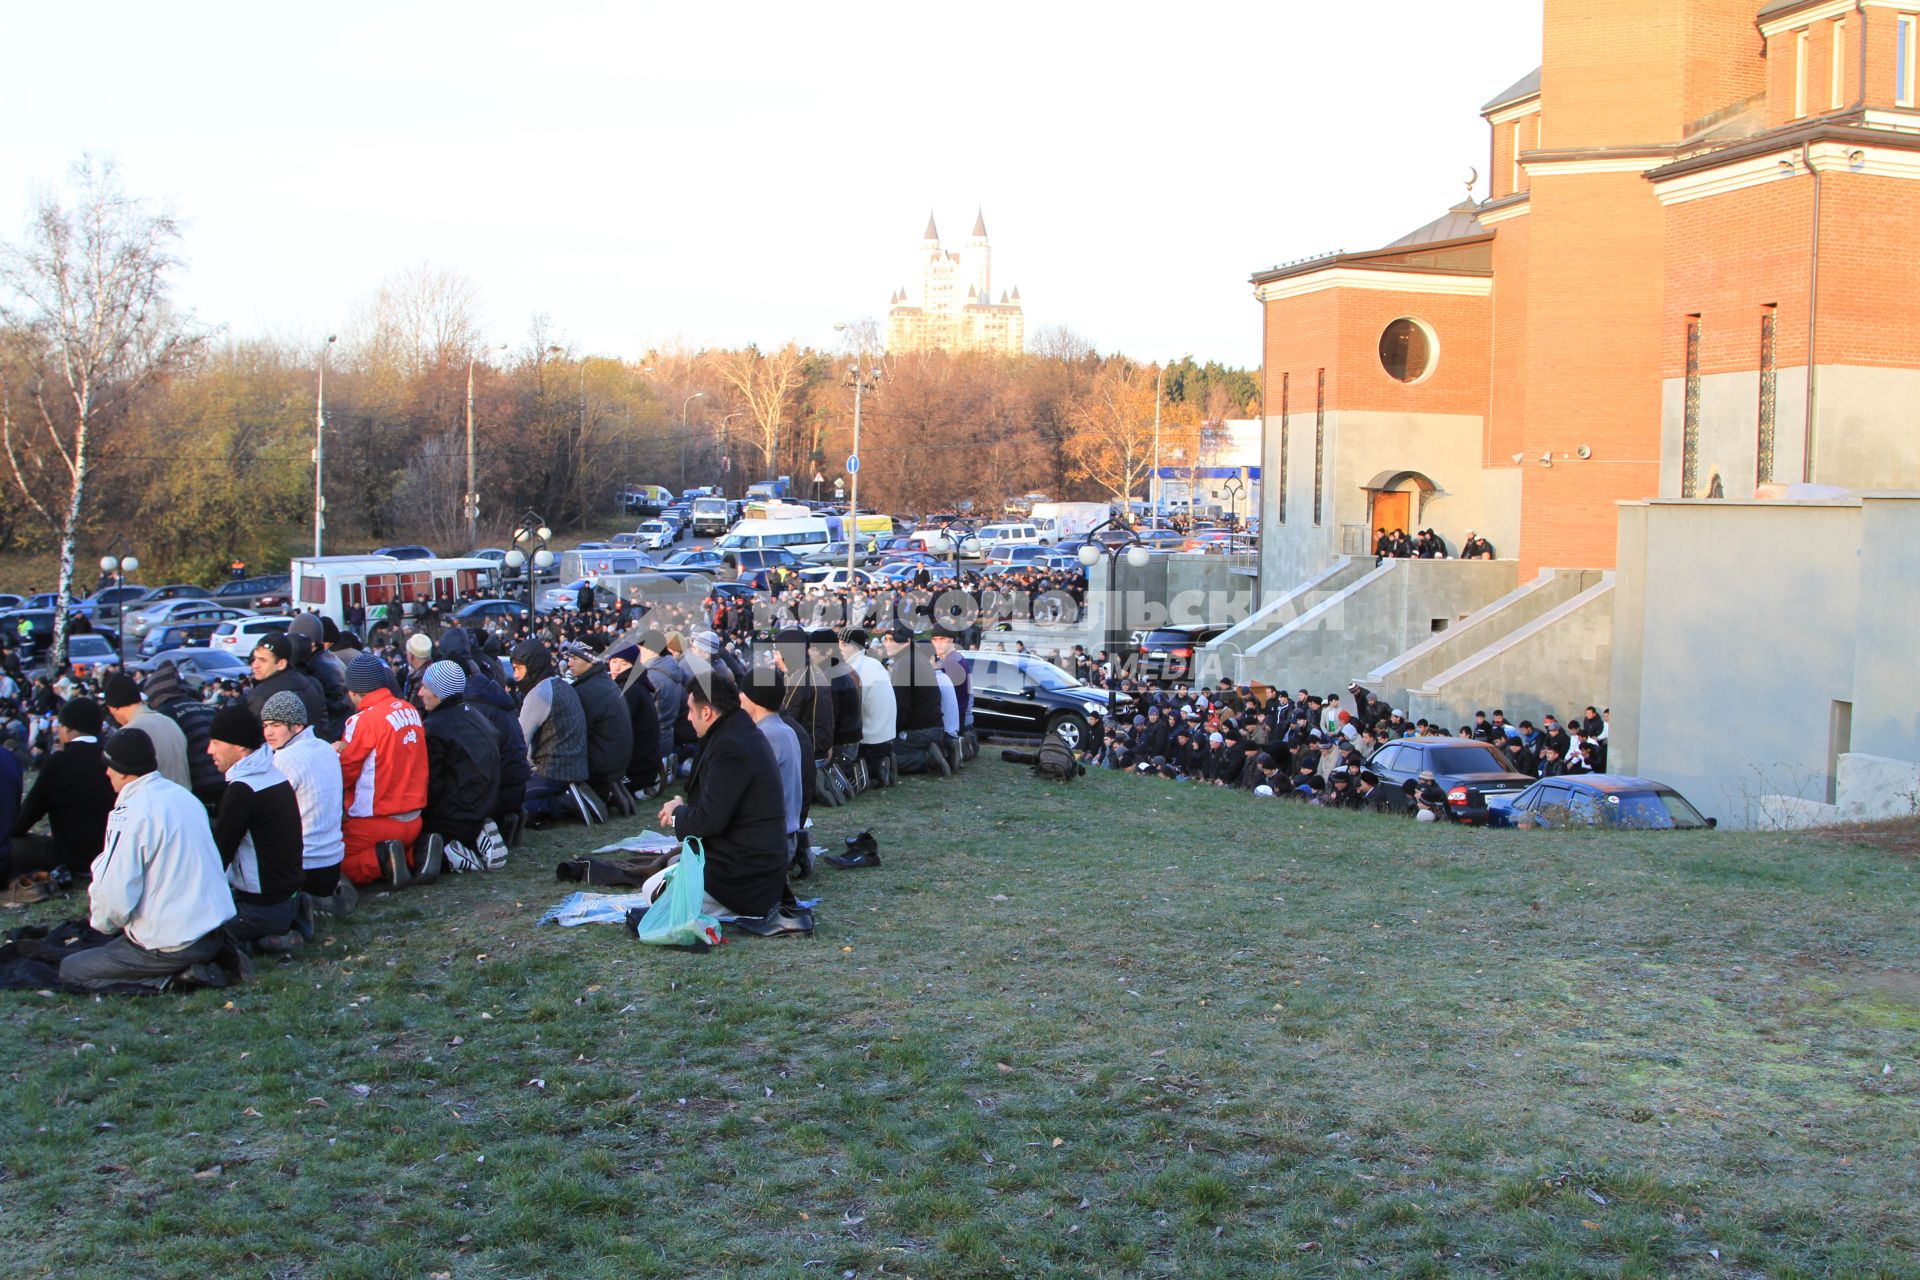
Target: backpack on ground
{"type": "Point", "coordinates": [1054, 761]}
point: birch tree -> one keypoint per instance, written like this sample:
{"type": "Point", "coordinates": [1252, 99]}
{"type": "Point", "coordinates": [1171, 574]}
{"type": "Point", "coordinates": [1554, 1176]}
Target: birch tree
{"type": "Point", "coordinates": [84, 303]}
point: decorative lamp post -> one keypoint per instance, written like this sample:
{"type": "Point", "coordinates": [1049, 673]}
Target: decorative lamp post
{"type": "Point", "coordinates": [119, 567]}
{"type": "Point", "coordinates": [533, 535]}
{"type": "Point", "coordinates": [1090, 554]}
{"type": "Point", "coordinates": [320, 447]}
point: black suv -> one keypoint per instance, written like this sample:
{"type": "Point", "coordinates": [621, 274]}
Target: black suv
{"type": "Point", "coordinates": [1167, 654]}
{"type": "Point", "coordinates": [1466, 770]}
{"type": "Point", "coordinates": [1016, 693]}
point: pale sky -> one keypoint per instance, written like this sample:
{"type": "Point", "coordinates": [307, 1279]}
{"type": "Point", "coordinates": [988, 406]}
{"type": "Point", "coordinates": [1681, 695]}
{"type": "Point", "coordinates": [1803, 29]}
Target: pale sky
{"type": "Point", "coordinates": [727, 173]}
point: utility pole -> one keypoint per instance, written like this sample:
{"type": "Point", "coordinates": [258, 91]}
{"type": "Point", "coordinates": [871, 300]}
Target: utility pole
{"type": "Point", "coordinates": [320, 447]}
{"type": "Point", "coordinates": [1153, 484]}
{"type": "Point", "coordinates": [473, 505]}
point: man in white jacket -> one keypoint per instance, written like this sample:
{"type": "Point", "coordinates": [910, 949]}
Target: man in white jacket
{"type": "Point", "coordinates": [158, 884]}
{"type": "Point", "coordinates": [314, 770]}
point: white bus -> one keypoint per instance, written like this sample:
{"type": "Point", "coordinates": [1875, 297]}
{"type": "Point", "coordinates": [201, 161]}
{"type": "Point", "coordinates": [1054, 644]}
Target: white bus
{"type": "Point", "coordinates": [334, 585]}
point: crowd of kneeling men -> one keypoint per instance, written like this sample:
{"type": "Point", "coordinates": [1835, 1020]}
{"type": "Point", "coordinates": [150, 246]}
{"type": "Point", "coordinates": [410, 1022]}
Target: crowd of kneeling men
{"type": "Point", "coordinates": [198, 828]}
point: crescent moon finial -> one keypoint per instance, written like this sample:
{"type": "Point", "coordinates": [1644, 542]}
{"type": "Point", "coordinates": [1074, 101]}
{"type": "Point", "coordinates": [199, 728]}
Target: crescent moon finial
{"type": "Point", "coordinates": [1473, 179]}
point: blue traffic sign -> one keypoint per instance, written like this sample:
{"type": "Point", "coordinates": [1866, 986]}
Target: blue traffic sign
{"type": "Point", "coordinates": [853, 463]}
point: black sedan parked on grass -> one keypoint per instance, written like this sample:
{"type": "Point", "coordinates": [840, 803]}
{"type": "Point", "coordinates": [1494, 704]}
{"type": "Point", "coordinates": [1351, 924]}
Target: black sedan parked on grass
{"type": "Point", "coordinates": [1468, 772]}
{"type": "Point", "coordinates": [1015, 693]}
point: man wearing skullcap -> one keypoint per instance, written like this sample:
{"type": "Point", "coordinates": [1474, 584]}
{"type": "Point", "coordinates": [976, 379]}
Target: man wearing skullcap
{"type": "Point", "coordinates": [314, 771]}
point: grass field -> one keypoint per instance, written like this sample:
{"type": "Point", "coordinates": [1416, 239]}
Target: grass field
{"type": "Point", "coordinates": [1118, 1029]}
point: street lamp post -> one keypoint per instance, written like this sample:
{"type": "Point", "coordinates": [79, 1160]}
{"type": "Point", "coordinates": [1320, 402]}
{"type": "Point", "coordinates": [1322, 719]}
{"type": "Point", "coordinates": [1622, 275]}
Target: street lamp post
{"type": "Point", "coordinates": [1233, 489]}
{"type": "Point", "coordinates": [1153, 486]}
{"type": "Point", "coordinates": [726, 449]}
{"type": "Point", "coordinates": [320, 446]}
{"type": "Point", "coordinates": [534, 535]}
{"type": "Point", "coordinates": [473, 494]}
{"type": "Point", "coordinates": [120, 567]}
{"type": "Point", "coordinates": [684, 432]}
{"type": "Point", "coordinates": [1090, 554]}
{"type": "Point", "coordinates": [862, 379]}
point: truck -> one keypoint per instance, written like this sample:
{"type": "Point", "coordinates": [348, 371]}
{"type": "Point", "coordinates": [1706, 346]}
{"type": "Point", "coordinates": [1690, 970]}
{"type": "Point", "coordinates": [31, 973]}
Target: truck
{"type": "Point", "coordinates": [771, 489]}
{"type": "Point", "coordinates": [1072, 520]}
{"type": "Point", "coordinates": [710, 515]}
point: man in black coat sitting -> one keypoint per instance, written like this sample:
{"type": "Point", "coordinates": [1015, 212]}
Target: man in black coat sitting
{"type": "Point", "coordinates": [72, 793]}
{"type": "Point", "coordinates": [643, 764]}
{"type": "Point", "coordinates": [734, 804]}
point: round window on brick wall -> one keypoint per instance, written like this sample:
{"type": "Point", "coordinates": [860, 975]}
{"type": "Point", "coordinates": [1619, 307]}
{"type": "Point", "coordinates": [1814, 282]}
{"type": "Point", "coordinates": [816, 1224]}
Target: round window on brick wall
{"type": "Point", "coordinates": [1408, 350]}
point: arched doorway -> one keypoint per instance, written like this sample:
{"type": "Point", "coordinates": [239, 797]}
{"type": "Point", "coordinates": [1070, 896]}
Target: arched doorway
{"type": "Point", "coordinates": [1391, 505]}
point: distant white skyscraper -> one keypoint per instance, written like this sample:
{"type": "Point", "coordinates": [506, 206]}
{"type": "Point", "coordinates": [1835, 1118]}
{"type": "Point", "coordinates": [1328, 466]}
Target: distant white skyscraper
{"type": "Point", "coordinates": [955, 309]}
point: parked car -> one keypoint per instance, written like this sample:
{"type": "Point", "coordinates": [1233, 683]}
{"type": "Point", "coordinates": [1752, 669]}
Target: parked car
{"type": "Point", "coordinates": [407, 551]}
{"type": "Point", "coordinates": [684, 564]}
{"type": "Point", "coordinates": [752, 563]}
{"type": "Point", "coordinates": [1015, 693]}
{"type": "Point", "coordinates": [105, 604]}
{"type": "Point", "coordinates": [1166, 654]}
{"type": "Point", "coordinates": [567, 596]}
{"type": "Point", "coordinates": [1002, 558]}
{"type": "Point", "coordinates": [197, 667]}
{"type": "Point", "coordinates": [1057, 560]}
{"type": "Point", "coordinates": [242, 634]}
{"type": "Point", "coordinates": [1597, 800]}
{"type": "Point", "coordinates": [836, 577]}
{"type": "Point", "coordinates": [139, 621]}
{"type": "Point", "coordinates": [655, 535]}
{"type": "Point", "coordinates": [1469, 772]}
{"type": "Point", "coordinates": [86, 654]}
{"type": "Point", "coordinates": [162, 636]}
{"type": "Point", "coordinates": [172, 591]}
{"type": "Point", "coordinates": [908, 570]}
{"type": "Point", "coordinates": [266, 591]}
{"type": "Point", "coordinates": [11, 601]}
{"type": "Point", "coordinates": [39, 629]}
{"type": "Point", "coordinates": [481, 612]}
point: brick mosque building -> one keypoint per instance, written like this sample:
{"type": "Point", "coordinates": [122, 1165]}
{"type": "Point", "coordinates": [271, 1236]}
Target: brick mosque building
{"type": "Point", "coordinates": [1693, 276]}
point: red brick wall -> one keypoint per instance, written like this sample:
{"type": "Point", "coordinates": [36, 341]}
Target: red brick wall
{"type": "Point", "coordinates": [1339, 330]}
{"type": "Point", "coordinates": [1612, 73]}
{"type": "Point", "coordinates": [1592, 359]}
{"type": "Point", "coordinates": [1724, 56]}
{"type": "Point", "coordinates": [1728, 256]}
{"type": "Point", "coordinates": [1512, 242]}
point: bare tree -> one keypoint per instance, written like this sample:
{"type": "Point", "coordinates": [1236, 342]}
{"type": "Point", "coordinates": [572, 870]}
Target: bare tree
{"type": "Point", "coordinates": [766, 385]}
{"type": "Point", "coordinates": [422, 318]}
{"type": "Point", "coordinates": [84, 301]}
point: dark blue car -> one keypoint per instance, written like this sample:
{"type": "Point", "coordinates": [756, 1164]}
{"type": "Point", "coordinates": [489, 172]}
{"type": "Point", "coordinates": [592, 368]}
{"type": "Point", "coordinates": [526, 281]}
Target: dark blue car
{"type": "Point", "coordinates": [1597, 800]}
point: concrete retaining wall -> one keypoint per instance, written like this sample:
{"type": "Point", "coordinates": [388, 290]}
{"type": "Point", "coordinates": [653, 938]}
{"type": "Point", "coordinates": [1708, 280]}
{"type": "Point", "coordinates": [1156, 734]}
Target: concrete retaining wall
{"type": "Point", "coordinates": [1288, 605]}
{"type": "Point", "coordinates": [1393, 681]}
{"type": "Point", "coordinates": [1560, 662]}
{"type": "Point", "coordinates": [1387, 611]}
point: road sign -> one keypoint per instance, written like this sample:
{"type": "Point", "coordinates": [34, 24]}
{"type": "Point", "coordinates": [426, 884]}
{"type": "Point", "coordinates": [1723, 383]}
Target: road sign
{"type": "Point", "coordinates": [818, 478]}
{"type": "Point", "coordinates": [853, 463]}
{"type": "Point", "coordinates": [839, 485]}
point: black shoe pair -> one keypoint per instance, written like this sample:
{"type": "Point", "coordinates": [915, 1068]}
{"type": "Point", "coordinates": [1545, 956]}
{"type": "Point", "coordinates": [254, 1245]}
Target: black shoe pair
{"type": "Point", "coordinates": [862, 851]}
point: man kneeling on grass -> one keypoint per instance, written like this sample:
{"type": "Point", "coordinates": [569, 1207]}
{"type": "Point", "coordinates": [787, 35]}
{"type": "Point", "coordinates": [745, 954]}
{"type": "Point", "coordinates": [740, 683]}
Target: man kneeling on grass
{"type": "Point", "coordinates": [258, 832]}
{"type": "Point", "coordinates": [157, 884]}
{"type": "Point", "coordinates": [734, 804]}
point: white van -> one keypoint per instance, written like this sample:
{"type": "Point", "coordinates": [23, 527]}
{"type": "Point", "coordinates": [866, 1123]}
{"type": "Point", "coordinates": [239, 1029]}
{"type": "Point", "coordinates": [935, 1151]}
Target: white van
{"type": "Point", "coordinates": [994, 536]}
{"type": "Point", "coordinates": [797, 536]}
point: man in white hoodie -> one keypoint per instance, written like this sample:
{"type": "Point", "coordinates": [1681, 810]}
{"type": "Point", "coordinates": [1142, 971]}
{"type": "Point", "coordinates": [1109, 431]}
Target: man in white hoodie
{"type": "Point", "coordinates": [157, 885]}
{"type": "Point", "coordinates": [314, 770]}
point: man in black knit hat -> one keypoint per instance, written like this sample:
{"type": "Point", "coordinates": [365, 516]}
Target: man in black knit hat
{"type": "Point", "coordinates": [72, 793]}
{"type": "Point", "coordinates": [257, 830]}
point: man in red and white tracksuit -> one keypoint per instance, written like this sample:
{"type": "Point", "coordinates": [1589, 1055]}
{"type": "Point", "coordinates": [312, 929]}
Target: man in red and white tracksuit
{"type": "Point", "coordinates": [383, 770]}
